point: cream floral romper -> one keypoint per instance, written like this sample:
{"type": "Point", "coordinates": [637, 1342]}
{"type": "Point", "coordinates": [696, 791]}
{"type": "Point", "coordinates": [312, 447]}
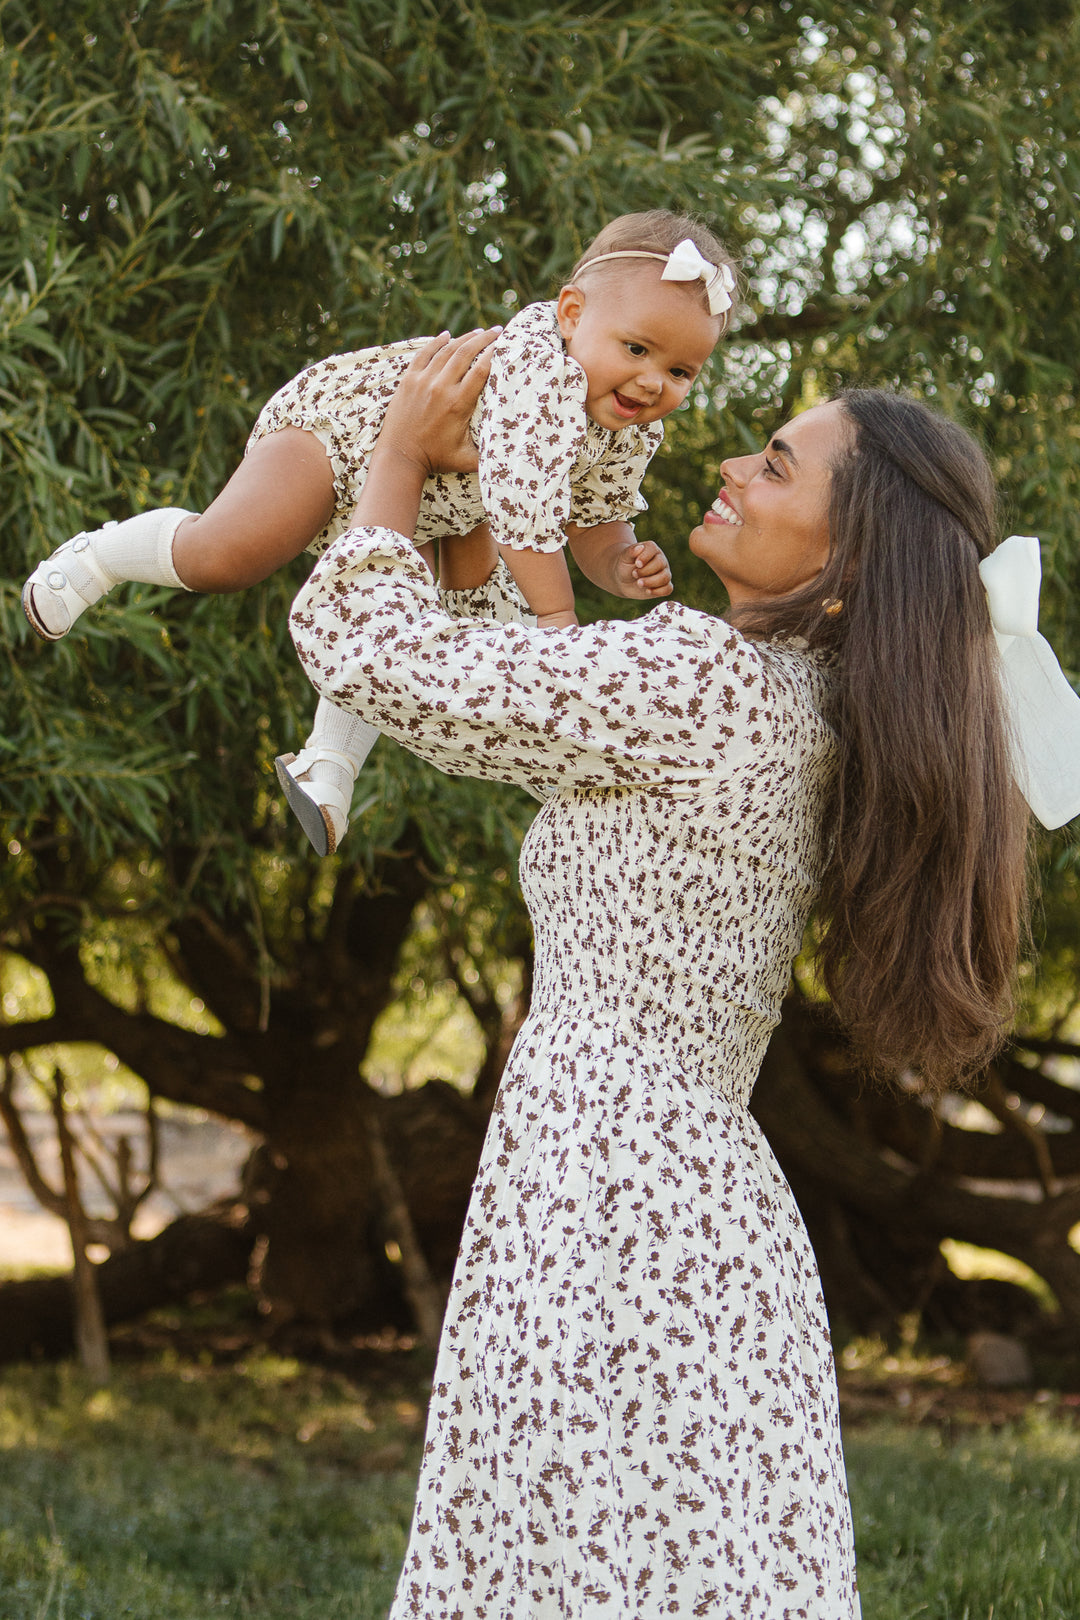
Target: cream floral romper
{"type": "Point", "coordinates": [543, 462]}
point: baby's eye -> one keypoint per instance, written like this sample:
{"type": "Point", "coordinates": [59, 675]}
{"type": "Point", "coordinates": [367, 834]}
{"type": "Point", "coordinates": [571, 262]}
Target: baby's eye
{"type": "Point", "coordinates": [636, 349]}
{"type": "Point", "coordinates": [681, 373]}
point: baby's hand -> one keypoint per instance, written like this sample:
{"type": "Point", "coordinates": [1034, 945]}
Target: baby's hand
{"type": "Point", "coordinates": [642, 571]}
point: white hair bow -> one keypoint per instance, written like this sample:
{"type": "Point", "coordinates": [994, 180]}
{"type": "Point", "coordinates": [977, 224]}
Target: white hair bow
{"type": "Point", "coordinates": [685, 263]}
{"type": "Point", "coordinates": [1043, 709]}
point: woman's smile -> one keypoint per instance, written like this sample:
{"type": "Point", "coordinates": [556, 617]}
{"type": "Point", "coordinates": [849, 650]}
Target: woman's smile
{"type": "Point", "coordinates": [723, 509]}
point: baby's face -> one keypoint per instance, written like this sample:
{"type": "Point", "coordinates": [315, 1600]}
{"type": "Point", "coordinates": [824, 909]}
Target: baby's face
{"type": "Point", "coordinates": [640, 342]}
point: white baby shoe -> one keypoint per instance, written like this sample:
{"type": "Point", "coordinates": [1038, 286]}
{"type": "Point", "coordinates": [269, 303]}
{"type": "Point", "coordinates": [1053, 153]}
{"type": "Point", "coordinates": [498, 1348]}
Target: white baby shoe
{"type": "Point", "coordinates": [64, 586]}
{"type": "Point", "coordinates": [317, 783]}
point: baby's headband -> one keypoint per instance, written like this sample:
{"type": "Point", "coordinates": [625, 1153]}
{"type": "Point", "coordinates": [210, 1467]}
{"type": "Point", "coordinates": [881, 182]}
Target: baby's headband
{"type": "Point", "coordinates": [1043, 709]}
{"type": "Point", "coordinates": [684, 263]}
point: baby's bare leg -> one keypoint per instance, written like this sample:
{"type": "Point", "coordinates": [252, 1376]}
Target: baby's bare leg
{"type": "Point", "coordinates": [274, 505]}
{"type": "Point", "coordinates": [466, 562]}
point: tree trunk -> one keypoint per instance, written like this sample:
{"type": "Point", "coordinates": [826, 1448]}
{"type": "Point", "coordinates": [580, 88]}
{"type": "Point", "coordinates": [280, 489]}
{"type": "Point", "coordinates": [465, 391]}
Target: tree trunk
{"type": "Point", "coordinates": [196, 1254]}
{"type": "Point", "coordinates": [324, 1213]}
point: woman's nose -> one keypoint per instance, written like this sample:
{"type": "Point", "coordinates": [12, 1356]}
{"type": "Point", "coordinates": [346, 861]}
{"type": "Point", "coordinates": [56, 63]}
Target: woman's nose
{"type": "Point", "coordinates": [737, 469]}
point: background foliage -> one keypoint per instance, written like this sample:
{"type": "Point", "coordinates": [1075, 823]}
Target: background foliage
{"type": "Point", "coordinates": [200, 196]}
{"type": "Point", "coordinates": [197, 199]}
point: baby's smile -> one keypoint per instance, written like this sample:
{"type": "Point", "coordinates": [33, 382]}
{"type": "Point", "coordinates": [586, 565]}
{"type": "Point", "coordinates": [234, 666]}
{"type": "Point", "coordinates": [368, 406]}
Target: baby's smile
{"type": "Point", "coordinates": [623, 405]}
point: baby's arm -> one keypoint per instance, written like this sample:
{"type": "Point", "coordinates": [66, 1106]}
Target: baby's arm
{"type": "Point", "coordinates": [611, 555]}
{"type": "Point", "coordinates": [544, 580]}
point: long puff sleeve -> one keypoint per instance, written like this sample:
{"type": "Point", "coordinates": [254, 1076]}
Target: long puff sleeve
{"type": "Point", "coordinates": [672, 699]}
{"type": "Point", "coordinates": [530, 427]}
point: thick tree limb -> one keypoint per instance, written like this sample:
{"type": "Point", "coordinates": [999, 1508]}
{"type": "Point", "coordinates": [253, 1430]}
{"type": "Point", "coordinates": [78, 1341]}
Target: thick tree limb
{"type": "Point", "coordinates": [808, 1136]}
{"type": "Point", "coordinates": [205, 1071]}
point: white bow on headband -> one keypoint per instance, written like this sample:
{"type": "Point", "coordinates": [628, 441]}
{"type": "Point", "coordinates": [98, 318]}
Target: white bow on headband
{"type": "Point", "coordinates": [1043, 709]}
{"type": "Point", "coordinates": [684, 263]}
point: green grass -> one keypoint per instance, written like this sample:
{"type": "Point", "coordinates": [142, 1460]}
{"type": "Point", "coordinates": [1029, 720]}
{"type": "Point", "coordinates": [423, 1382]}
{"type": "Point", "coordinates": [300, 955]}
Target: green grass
{"type": "Point", "coordinates": [982, 1527]}
{"type": "Point", "coordinates": [192, 1491]}
{"type": "Point", "coordinates": [189, 1493]}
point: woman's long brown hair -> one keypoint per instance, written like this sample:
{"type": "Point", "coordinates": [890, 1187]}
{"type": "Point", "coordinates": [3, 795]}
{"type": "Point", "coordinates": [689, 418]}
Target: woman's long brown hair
{"type": "Point", "coordinates": [924, 898]}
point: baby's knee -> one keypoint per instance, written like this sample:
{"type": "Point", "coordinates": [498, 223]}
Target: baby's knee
{"type": "Point", "coordinates": [207, 561]}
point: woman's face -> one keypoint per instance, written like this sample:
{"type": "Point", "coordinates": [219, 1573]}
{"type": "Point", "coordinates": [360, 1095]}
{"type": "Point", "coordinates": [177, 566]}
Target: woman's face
{"type": "Point", "coordinates": [767, 532]}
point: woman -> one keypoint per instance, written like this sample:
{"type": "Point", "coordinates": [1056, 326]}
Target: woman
{"type": "Point", "coordinates": [634, 1408]}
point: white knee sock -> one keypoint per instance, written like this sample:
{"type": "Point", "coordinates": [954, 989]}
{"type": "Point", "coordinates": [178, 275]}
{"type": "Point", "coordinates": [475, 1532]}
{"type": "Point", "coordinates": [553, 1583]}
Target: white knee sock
{"type": "Point", "coordinates": [346, 735]}
{"type": "Point", "coordinates": [88, 565]}
{"type": "Point", "coordinates": [140, 548]}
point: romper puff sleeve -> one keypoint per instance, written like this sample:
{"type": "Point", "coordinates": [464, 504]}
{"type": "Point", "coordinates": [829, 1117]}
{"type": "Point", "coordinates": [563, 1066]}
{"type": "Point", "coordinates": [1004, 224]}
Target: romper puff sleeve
{"type": "Point", "coordinates": [671, 699]}
{"type": "Point", "coordinates": [543, 463]}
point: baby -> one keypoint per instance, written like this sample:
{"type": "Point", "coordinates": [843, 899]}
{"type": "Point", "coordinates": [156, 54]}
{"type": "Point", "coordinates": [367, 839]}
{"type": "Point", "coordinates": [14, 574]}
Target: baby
{"type": "Point", "coordinates": [566, 425]}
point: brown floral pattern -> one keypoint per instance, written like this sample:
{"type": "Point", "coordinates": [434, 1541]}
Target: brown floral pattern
{"type": "Point", "coordinates": [543, 463]}
{"type": "Point", "coordinates": [634, 1408]}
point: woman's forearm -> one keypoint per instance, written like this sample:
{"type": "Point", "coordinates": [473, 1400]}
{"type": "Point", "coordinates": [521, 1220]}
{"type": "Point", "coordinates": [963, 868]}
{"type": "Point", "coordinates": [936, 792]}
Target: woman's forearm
{"type": "Point", "coordinates": [390, 498]}
{"type": "Point", "coordinates": [426, 427]}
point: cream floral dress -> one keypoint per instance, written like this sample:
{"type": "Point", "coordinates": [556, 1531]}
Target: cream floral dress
{"type": "Point", "coordinates": [543, 462]}
{"type": "Point", "coordinates": [634, 1407]}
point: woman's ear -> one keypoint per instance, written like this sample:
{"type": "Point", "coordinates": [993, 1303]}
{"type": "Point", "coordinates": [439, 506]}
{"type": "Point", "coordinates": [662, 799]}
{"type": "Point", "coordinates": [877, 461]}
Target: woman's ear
{"type": "Point", "coordinates": [569, 309]}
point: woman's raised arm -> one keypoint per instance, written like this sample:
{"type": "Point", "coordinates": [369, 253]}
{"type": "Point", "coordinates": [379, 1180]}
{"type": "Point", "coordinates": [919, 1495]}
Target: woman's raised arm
{"type": "Point", "coordinates": [426, 429]}
{"type": "Point", "coordinates": [674, 699]}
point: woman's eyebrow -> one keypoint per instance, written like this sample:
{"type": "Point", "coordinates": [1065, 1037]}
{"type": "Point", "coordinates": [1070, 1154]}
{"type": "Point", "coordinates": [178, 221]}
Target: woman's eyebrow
{"type": "Point", "coordinates": [782, 448]}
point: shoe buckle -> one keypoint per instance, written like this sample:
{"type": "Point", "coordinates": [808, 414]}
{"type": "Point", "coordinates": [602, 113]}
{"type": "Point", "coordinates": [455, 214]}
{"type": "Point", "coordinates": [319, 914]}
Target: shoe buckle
{"type": "Point", "coordinates": [56, 580]}
{"type": "Point", "coordinates": [80, 542]}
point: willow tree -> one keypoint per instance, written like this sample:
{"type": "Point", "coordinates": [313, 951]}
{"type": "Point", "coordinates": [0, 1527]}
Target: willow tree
{"type": "Point", "coordinates": [199, 199]}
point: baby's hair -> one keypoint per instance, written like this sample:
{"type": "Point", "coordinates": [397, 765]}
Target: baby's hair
{"type": "Point", "coordinates": [656, 231]}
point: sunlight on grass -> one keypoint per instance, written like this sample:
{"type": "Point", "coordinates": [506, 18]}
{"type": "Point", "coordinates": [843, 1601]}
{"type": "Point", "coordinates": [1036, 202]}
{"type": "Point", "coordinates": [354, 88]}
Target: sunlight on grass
{"type": "Point", "coordinates": [983, 1528]}
{"type": "Point", "coordinates": [184, 1492]}
{"type": "Point", "coordinates": [276, 1490]}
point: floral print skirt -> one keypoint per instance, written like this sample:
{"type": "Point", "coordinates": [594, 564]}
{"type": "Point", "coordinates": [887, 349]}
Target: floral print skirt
{"type": "Point", "coordinates": [634, 1409]}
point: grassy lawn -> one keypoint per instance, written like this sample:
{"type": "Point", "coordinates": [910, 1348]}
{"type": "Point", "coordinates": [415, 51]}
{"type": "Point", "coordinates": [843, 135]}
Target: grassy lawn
{"type": "Point", "coordinates": [190, 1490]}
{"type": "Point", "coordinates": [982, 1526]}
{"type": "Point", "coordinates": [187, 1492]}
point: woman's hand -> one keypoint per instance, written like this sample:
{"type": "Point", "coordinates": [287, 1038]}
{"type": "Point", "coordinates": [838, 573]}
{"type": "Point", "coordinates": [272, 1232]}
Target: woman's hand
{"type": "Point", "coordinates": [425, 429]}
{"type": "Point", "coordinates": [427, 421]}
